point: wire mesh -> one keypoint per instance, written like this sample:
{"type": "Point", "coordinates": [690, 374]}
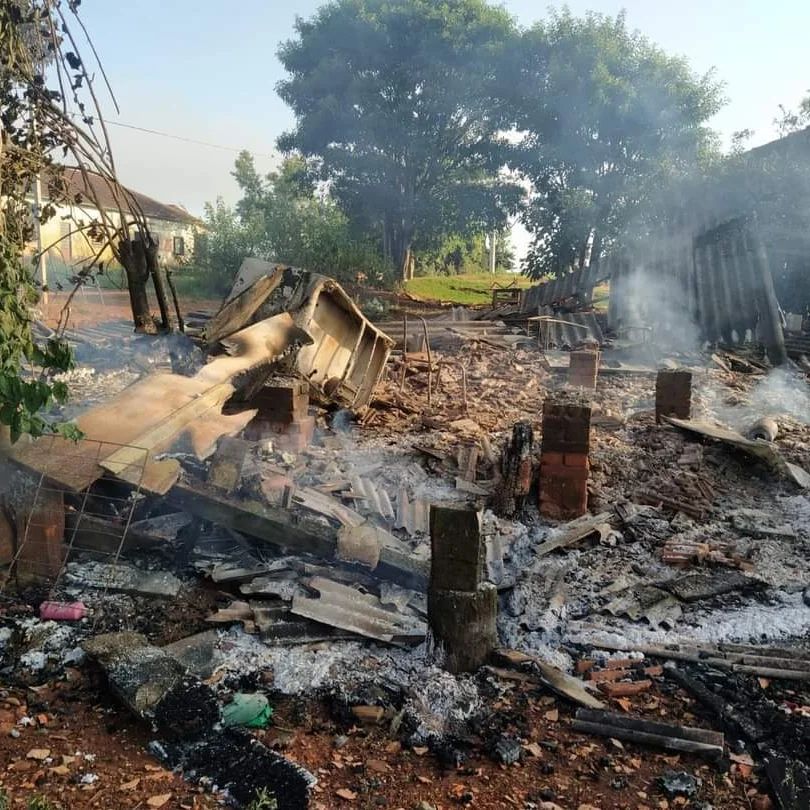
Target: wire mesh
{"type": "Point", "coordinates": [60, 525]}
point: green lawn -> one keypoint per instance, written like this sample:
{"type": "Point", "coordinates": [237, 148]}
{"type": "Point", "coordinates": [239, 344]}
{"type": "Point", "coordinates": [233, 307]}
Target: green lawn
{"type": "Point", "coordinates": [462, 289]}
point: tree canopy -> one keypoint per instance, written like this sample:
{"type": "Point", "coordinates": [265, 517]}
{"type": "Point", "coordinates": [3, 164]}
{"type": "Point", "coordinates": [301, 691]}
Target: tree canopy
{"type": "Point", "coordinates": [789, 121]}
{"type": "Point", "coordinates": [283, 217]}
{"type": "Point", "coordinates": [397, 102]}
{"type": "Point", "coordinates": [606, 117]}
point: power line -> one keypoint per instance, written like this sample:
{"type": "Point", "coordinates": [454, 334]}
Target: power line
{"type": "Point", "coordinates": [182, 138]}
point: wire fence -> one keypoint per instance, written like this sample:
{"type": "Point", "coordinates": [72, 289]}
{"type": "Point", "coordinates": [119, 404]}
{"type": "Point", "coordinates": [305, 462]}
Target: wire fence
{"type": "Point", "coordinates": [56, 525]}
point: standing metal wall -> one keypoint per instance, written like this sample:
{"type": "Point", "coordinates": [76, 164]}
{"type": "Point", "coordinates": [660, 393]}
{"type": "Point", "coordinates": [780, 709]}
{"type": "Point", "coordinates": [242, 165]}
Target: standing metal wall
{"type": "Point", "coordinates": [714, 276]}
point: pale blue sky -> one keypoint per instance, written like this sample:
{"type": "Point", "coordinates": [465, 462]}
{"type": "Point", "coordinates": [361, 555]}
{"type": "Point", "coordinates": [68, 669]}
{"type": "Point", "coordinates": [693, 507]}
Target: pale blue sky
{"type": "Point", "coordinates": [207, 71]}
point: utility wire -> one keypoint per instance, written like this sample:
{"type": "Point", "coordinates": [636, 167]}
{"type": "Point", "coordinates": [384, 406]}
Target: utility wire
{"type": "Point", "coordinates": [186, 140]}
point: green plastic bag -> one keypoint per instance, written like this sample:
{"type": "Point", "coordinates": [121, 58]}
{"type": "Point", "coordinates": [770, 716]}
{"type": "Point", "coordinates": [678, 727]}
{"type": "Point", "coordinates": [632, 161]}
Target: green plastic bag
{"type": "Point", "coordinates": [249, 711]}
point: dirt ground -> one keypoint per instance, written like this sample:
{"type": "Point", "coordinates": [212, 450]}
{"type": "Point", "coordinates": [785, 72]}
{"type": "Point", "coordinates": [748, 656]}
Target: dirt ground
{"type": "Point", "coordinates": [89, 308]}
{"type": "Point", "coordinates": [82, 751]}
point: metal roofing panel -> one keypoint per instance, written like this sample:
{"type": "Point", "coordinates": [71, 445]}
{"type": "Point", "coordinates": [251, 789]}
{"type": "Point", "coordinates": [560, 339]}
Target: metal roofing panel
{"type": "Point", "coordinates": [569, 329]}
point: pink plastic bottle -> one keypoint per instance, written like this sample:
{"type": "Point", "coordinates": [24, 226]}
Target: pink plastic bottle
{"type": "Point", "coordinates": [62, 611]}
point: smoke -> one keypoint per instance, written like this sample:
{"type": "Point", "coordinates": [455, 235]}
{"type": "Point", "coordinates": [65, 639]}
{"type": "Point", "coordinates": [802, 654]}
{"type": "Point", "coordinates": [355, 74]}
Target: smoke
{"type": "Point", "coordinates": [782, 393]}
{"type": "Point", "coordinates": [659, 303]}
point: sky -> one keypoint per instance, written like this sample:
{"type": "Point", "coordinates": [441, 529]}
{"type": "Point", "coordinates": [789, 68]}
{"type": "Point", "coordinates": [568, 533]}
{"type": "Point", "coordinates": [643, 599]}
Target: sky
{"type": "Point", "coordinates": [204, 71]}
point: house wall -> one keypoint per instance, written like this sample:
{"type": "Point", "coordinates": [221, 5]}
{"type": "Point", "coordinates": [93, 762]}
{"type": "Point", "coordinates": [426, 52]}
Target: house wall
{"type": "Point", "coordinates": [64, 251]}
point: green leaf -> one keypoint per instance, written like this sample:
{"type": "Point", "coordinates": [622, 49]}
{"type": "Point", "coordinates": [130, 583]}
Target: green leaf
{"type": "Point", "coordinates": [60, 392]}
{"type": "Point", "coordinates": [69, 430]}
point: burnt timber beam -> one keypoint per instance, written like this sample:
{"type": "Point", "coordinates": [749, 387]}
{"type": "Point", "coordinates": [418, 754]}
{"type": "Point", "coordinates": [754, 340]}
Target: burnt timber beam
{"type": "Point", "coordinates": [287, 529]}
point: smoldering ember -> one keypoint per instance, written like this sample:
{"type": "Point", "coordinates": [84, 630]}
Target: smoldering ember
{"type": "Point", "coordinates": [544, 541]}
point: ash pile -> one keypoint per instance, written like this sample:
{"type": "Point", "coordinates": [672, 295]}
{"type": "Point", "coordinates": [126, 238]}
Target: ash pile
{"type": "Point", "coordinates": [408, 518]}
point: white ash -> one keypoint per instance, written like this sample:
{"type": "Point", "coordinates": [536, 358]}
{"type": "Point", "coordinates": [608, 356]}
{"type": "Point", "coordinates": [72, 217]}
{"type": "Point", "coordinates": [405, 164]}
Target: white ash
{"type": "Point", "coordinates": [437, 702]}
{"type": "Point", "coordinates": [49, 642]}
{"type": "Point", "coordinates": [296, 670]}
{"type": "Point", "coordinates": [6, 634]}
{"type": "Point", "coordinates": [787, 618]}
{"type": "Point", "coordinates": [442, 703]}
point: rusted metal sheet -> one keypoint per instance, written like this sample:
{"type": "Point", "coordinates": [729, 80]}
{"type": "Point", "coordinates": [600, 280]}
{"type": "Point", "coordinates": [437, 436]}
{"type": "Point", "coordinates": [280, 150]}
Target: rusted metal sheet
{"type": "Point", "coordinates": [693, 280]}
{"type": "Point", "coordinates": [709, 283]}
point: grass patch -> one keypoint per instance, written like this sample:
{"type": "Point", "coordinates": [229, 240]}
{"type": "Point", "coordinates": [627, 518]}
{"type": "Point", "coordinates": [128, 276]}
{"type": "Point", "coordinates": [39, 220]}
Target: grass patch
{"type": "Point", "coordinates": [464, 289]}
{"type": "Point", "coordinates": [41, 803]}
{"type": "Point", "coordinates": [264, 800]}
{"type": "Point", "coordinates": [601, 297]}
{"type": "Point", "coordinates": [193, 283]}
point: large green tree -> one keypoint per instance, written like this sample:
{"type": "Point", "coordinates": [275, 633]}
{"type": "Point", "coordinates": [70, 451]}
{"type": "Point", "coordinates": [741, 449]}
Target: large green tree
{"type": "Point", "coordinates": [283, 216]}
{"type": "Point", "coordinates": [397, 101]}
{"type": "Point", "coordinates": [606, 118]}
{"type": "Point", "coordinates": [460, 253]}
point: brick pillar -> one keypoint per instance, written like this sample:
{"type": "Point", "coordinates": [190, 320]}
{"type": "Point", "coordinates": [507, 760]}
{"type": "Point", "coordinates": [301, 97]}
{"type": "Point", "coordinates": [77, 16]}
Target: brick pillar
{"type": "Point", "coordinates": [42, 551]}
{"type": "Point", "coordinates": [583, 369]}
{"type": "Point", "coordinates": [283, 415]}
{"type": "Point", "coordinates": [564, 464]}
{"type": "Point", "coordinates": [673, 394]}
{"type": "Point", "coordinates": [462, 611]}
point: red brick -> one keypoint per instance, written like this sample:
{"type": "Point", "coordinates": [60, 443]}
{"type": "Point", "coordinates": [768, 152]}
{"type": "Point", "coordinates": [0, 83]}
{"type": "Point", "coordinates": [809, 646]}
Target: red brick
{"type": "Point", "coordinates": [564, 465]}
{"type": "Point", "coordinates": [292, 437]}
{"type": "Point", "coordinates": [625, 689]}
{"type": "Point", "coordinates": [563, 498]}
{"type": "Point", "coordinates": [42, 549]}
{"type": "Point", "coordinates": [583, 369]}
{"type": "Point", "coordinates": [673, 394]}
{"type": "Point", "coordinates": [563, 473]}
{"type": "Point", "coordinates": [577, 460]}
{"type": "Point", "coordinates": [621, 663]}
{"type": "Point", "coordinates": [604, 675]}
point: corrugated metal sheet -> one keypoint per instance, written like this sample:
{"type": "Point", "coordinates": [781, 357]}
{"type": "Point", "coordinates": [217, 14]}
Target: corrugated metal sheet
{"type": "Point", "coordinates": [706, 281]}
{"type": "Point", "coordinates": [347, 609]}
{"type": "Point", "coordinates": [568, 329]}
{"type": "Point", "coordinates": [688, 277]}
{"type": "Point", "coordinates": [561, 289]}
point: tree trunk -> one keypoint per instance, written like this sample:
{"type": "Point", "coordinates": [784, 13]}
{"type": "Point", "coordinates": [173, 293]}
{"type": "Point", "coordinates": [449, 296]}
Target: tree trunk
{"type": "Point", "coordinates": [410, 265]}
{"type": "Point", "coordinates": [516, 472]}
{"type": "Point", "coordinates": [167, 321]}
{"type": "Point", "coordinates": [132, 255]}
{"type": "Point", "coordinates": [399, 241]}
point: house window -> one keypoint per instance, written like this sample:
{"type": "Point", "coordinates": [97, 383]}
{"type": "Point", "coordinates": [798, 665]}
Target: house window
{"type": "Point", "coordinates": [65, 247]}
{"type": "Point", "coordinates": [179, 246]}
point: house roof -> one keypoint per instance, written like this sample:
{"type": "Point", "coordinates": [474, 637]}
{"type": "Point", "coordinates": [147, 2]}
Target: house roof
{"type": "Point", "coordinates": [792, 142]}
{"type": "Point", "coordinates": [92, 186]}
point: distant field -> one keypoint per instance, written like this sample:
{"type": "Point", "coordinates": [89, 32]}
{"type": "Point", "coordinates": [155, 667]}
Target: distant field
{"type": "Point", "coordinates": [462, 289]}
{"type": "Point", "coordinates": [601, 297]}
